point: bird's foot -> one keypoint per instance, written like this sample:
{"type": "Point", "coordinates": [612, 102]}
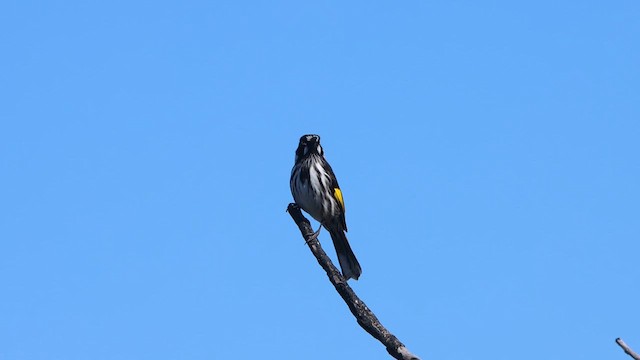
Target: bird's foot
{"type": "Point", "coordinates": [313, 236]}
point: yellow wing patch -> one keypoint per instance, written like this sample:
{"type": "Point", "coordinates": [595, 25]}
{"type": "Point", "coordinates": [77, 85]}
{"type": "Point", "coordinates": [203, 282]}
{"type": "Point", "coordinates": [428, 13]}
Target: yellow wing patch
{"type": "Point", "coordinates": [337, 193]}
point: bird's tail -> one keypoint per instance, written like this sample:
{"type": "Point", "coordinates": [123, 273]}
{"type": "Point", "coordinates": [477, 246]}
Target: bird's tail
{"type": "Point", "coordinates": [348, 262]}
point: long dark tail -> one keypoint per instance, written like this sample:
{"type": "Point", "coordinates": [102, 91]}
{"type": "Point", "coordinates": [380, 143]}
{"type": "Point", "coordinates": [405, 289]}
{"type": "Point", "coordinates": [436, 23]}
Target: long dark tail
{"type": "Point", "coordinates": [348, 262]}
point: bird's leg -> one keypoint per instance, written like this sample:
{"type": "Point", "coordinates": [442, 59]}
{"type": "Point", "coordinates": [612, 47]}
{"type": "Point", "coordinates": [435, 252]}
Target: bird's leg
{"type": "Point", "coordinates": [314, 236]}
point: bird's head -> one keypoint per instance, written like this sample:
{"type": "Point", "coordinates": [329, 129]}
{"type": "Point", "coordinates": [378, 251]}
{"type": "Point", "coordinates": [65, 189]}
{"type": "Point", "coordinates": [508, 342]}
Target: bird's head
{"type": "Point", "coordinates": [309, 145]}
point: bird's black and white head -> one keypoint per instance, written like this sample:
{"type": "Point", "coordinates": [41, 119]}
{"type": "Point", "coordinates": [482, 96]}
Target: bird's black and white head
{"type": "Point", "coordinates": [309, 145]}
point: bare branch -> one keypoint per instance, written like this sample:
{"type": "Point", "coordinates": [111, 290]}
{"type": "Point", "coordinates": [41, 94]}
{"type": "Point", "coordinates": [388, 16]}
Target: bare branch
{"type": "Point", "coordinates": [365, 317]}
{"type": "Point", "coordinates": [627, 349]}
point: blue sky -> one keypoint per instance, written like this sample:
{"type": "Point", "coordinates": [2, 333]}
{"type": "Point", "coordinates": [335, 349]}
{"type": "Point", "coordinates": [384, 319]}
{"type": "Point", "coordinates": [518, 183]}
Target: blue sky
{"type": "Point", "coordinates": [488, 155]}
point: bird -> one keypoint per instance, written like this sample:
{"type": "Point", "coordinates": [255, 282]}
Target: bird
{"type": "Point", "coordinates": [315, 189]}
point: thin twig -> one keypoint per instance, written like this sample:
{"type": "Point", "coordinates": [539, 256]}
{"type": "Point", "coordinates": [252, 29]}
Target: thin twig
{"type": "Point", "coordinates": [365, 317]}
{"type": "Point", "coordinates": [627, 349]}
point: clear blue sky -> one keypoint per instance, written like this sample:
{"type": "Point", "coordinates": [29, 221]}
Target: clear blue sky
{"type": "Point", "coordinates": [488, 154]}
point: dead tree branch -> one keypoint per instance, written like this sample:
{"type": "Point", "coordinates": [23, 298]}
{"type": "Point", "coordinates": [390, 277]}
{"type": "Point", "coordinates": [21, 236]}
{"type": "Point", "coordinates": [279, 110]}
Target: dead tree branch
{"type": "Point", "coordinates": [365, 317]}
{"type": "Point", "coordinates": [627, 349]}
